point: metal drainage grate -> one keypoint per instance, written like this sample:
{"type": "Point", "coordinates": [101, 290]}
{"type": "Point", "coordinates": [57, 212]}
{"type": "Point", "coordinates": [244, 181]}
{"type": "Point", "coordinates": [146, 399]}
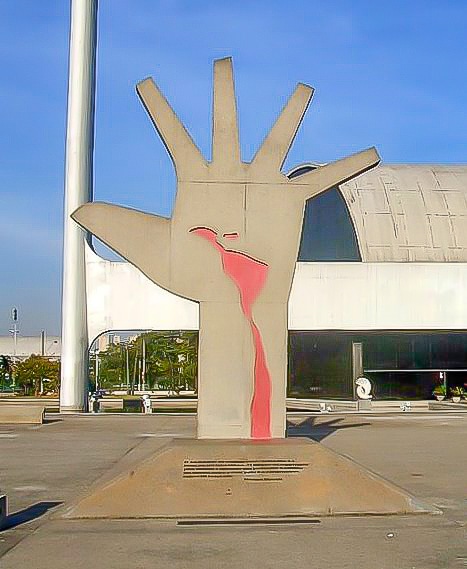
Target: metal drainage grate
{"type": "Point", "coordinates": [260, 469]}
{"type": "Point", "coordinates": [245, 521]}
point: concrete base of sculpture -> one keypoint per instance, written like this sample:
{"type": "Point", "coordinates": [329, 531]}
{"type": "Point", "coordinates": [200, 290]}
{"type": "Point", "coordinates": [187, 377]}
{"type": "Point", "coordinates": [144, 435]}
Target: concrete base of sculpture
{"type": "Point", "coordinates": [245, 479]}
{"type": "Point", "coordinates": [364, 405]}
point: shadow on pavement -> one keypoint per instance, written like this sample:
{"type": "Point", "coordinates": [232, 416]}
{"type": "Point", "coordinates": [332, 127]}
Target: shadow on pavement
{"type": "Point", "coordinates": [48, 421]}
{"type": "Point", "coordinates": [28, 514]}
{"type": "Point", "coordinates": [318, 431]}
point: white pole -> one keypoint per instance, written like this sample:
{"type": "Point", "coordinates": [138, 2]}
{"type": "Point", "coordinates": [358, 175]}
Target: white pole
{"type": "Point", "coordinates": [127, 371]}
{"type": "Point", "coordinates": [15, 349]}
{"type": "Point", "coordinates": [143, 370]}
{"type": "Point", "coordinates": [15, 340]}
{"type": "Point", "coordinates": [97, 370]}
{"type": "Point", "coordinates": [78, 190]}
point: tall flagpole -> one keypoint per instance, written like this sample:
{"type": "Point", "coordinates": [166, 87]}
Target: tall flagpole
{"type": "Point", "coordinates": [78, 190]}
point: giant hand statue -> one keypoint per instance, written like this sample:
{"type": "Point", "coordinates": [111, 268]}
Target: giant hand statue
{"type": "Point", "coordinates": [231, 245]}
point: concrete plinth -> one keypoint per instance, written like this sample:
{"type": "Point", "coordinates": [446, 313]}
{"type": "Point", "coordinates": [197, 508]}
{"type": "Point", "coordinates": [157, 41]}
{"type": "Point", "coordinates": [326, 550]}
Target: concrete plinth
{"type": "Point", "coordinates": [17, 414]}
{"type": "Point", "coordinates": [364, 405]}
{"type": "Point", "coordinates": [245, 479]}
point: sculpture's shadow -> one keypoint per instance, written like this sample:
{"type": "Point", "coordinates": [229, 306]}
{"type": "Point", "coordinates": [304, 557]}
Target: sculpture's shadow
{"type": "Point", "coordinates": [316, 430]}
{"type": "Point", "coordinates": [28, 514]}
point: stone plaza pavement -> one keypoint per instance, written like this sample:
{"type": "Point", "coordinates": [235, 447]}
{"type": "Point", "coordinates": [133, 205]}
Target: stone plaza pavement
{"type": "Point", "coordinates": [44, 467]}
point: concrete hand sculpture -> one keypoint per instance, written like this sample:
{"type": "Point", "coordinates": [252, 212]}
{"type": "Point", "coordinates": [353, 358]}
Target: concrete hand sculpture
{"type": "Point", "coordinates": [231, 245]}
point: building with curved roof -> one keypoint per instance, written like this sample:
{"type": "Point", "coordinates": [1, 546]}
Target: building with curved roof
{"type": "Point", "coordinates": [379, 287]}
{"type": "Point", "coordinates": [382, 267]}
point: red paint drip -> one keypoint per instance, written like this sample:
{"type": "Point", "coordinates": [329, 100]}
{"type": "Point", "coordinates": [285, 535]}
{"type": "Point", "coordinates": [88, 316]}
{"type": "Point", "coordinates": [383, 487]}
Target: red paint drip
{"type": "Point", "coordinates": [249, 275]}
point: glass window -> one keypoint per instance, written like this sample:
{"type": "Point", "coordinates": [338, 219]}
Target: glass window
{"type": "Point", "coordinates": [320, 363]}
{"type": "Point", "coordinates": [328, 233]}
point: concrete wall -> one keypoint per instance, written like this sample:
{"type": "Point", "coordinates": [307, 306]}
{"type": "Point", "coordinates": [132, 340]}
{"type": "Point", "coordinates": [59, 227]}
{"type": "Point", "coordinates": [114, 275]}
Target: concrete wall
{"type": "Point", "coordinates": [372, 296]}
{"type": "Point", "coordinates": [120, 297]}
{"type": "Point", "coordinates": [334, 296]}
{"type": "Point", "coordinates": [27, 345]}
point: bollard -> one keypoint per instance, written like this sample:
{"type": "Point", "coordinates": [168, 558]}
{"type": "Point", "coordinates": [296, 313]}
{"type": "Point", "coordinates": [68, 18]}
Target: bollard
{"type": "Point", "coordinates": [147, 403]}
{"type": "Point", "coordinates": [94, 402]}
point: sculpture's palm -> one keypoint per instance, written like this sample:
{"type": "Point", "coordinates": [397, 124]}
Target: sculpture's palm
{"type": "Point", "coordinates": [253, 208]}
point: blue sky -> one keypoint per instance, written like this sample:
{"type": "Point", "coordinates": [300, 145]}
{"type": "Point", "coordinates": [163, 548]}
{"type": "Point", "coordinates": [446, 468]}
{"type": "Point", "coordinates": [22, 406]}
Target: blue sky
{"type": "Point", "coordinates": [387, 73]}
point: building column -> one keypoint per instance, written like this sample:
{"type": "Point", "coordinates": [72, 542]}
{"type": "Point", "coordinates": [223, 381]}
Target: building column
{"type": "Point", "coordinates": [78, 190]}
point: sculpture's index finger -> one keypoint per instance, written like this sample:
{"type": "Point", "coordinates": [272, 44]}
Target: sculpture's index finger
{"type": "Point", "coordinates": [186, 156]}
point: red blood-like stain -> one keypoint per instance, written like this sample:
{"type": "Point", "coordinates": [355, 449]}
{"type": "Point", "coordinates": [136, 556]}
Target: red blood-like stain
{"type": "Point", "coordinates": [250, 276]}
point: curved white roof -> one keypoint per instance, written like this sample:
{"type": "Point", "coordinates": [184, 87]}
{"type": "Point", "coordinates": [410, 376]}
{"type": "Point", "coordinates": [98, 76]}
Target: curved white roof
{"type": "Point", "coordinates": [409, 213]}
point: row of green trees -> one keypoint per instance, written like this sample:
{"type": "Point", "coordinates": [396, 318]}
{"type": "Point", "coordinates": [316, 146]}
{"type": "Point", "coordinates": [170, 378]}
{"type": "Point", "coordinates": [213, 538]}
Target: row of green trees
{"type": "Point", "coordinates": [34, 376]}
{"type": "Point", "coordinates": [153, 360]}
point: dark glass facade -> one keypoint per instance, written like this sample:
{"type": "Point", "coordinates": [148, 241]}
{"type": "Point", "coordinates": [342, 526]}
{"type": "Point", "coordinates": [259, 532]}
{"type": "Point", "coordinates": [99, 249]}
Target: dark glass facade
{"type": "Point", "coordinates": [401, 365]}
{"type": "Point", "coordinates": [328, 233]}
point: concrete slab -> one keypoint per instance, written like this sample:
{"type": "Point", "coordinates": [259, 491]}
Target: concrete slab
{"type": "Point", "coordinates": [245, 479]}
{"type": "Point", "coordinates": [344, 543]}
{"type": "Point", "coordinates": [56, 461]}
{"type": "Point", "coordinates": [17, 414]}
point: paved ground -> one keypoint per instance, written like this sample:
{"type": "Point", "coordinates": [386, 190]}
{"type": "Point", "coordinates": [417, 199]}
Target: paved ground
{"type": "Point", "coordinates": [43, 467]}
{"type": "Point", "coordinates": [51, 404]}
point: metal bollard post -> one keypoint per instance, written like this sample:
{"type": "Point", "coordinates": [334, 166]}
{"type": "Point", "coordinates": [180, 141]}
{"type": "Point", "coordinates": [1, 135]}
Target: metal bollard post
{"type": "Point", "coordinates": [147, 403]}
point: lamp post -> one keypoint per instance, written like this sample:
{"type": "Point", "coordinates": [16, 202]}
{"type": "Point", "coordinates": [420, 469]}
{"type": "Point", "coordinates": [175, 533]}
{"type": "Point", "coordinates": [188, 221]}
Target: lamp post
{"type": "Point", "coordinates": [14, 332]}
{"type": "Point", "coordinates": [96, 365]}
{"type": "Point", "coordinates": [143, 365]}
{"type": "Point", "coordinates": [127, 369]}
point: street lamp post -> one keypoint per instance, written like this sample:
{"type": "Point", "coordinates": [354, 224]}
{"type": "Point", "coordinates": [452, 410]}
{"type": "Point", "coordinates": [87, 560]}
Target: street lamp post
{"type": "Point", "coordinates": [96, 366]}
{"type": "Point", "coordinates": [143, 369]}
{"type": "Point", "coordinates": [127, 369]}
{"type": "Point", "coordinates": [14, 332]}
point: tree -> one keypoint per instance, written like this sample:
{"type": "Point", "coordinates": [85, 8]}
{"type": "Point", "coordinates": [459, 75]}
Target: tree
{"type": "Point", "coordinates": [6, 369]}
{"type": "Point", "coordinates": [38, 374]}
{"type": "Point", "coordinates": [170, 362]}
{"type": "Point", "coordinates": [111, 367]}
{"type": "Point", "coordinates": [171, 359]}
